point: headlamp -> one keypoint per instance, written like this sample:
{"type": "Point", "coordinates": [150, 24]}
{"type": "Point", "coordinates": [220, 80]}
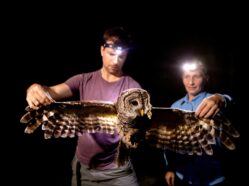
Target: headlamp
{"type": "Point", "coordinates": [117, 49]}
{"type": "Point", "coordinates": [190, 65]}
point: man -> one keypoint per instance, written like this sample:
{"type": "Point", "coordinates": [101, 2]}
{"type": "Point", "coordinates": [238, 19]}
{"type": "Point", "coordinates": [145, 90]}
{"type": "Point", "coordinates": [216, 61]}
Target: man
{"type": "Point", "coordinates": [196, 170]}
{"type": "Point", "coordinates": [94, 157]}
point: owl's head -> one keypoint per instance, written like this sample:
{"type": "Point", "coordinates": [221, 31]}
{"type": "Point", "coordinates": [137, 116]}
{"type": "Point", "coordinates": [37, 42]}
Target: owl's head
{"type": "Point", "coordinates": [133, 103]}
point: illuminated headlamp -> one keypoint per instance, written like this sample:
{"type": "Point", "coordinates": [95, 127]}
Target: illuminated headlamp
{"type": "Point", "coordinates": [190, 65]}
{"type": "Point", "coordinates": [117, 49]}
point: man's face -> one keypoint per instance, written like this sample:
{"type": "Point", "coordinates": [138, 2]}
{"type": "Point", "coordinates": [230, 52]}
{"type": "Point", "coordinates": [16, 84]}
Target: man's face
{"type": "Point", "coordinates": [193, 81]}
{"type": "Point", "coordinates": [113, 60]}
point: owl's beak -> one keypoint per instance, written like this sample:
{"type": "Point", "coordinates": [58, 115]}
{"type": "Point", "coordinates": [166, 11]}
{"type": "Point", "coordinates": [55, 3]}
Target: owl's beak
{"type": "Point", "coordinates": [142, 112]}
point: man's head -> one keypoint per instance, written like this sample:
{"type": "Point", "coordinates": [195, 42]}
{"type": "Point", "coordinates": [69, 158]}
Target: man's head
{"type": "Point", "coordinates": [117, 37]}
{"type": "Point", "coordinates": [194, 77]}
{"type": "Point", "coordinates": [114, 50]}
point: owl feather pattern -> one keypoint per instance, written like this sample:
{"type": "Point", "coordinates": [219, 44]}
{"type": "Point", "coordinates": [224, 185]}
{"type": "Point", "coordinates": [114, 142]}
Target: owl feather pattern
{"type": "Point", "coordinates": [136, 120]}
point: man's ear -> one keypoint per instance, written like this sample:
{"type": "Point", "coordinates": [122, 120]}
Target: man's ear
{"type": "Point", "coordinates": [102, 50]}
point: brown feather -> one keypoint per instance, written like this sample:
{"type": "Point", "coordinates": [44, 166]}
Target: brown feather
{"type": "Point", "coordinates": [165, 128]}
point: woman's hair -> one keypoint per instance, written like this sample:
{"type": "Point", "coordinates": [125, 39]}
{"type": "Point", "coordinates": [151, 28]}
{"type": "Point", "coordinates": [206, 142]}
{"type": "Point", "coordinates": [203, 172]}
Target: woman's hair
{"type": "Point", "coordinates": [195, 64]}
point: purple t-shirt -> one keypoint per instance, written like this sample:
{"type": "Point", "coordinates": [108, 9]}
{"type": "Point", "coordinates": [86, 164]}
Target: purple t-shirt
{"type": "Point", "coordinates": [98, 149]}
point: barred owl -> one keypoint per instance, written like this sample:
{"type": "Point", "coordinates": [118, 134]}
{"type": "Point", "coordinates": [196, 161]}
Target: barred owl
{"type": "Point", "coordinates": [136, 120]}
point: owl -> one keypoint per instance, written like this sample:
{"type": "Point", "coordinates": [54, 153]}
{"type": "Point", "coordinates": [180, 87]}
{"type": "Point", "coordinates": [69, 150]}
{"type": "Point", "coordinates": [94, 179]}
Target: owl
{"type": "Point", "coordinates": [136, 121]}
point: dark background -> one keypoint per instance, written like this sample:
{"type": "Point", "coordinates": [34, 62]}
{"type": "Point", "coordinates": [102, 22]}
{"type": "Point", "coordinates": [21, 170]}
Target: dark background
{"type": "Point", "coordinates": [48, 45]}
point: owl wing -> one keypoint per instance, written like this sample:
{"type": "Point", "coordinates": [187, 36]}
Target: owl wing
{"type": "Point", "coordinates": [181, 131]}
{"type": "Point", "coordinates": [72, 118]}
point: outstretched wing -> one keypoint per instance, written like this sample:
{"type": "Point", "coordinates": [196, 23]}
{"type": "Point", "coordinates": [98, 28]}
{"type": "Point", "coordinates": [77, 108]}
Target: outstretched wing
{"type": "Point", "coordinates": [182, 132]}
{"type": "Point", "coordinates": [68, 119]}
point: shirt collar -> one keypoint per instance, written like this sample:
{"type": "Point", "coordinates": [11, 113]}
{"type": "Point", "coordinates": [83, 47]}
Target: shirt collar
{"type": "Point", "coordinates": [201, 96]}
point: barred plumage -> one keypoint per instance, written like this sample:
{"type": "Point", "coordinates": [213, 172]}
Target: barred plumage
{"type": "Point", "coordinates": [164, 128]}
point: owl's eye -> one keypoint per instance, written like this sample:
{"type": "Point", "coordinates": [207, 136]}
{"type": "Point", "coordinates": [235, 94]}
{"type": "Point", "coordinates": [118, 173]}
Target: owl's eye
{"type": "Point", "coordinates": [135, 103]}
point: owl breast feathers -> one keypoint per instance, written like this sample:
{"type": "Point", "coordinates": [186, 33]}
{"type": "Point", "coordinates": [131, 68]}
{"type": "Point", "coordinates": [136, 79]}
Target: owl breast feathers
{"type": "Point", "coordinates": [136, 120]}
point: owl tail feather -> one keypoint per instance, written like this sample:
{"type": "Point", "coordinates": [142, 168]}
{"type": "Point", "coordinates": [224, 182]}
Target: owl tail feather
{"type": "Point", "coordinates": [123, 154]}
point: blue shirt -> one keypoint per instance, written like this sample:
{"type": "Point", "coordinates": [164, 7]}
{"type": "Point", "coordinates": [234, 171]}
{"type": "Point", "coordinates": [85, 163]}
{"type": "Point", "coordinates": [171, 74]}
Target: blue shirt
{"type": "Point", "coordinates": [184, 103]}
{"type": "Point", "coordinates": [196, 170]}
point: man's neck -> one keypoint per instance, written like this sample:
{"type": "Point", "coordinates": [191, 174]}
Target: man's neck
{"type": "Point", "coordinates": [110, 77]}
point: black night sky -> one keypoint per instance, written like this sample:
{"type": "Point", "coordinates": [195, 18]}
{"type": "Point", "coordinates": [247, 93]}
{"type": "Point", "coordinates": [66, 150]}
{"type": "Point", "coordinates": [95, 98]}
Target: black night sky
{"type": "Point", "coordinates": [49, 45]}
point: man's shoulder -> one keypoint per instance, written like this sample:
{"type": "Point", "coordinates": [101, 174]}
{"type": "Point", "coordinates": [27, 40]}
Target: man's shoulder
{"type": "Point", "coordinates": [96, 72]}
{"type": "Point", "coordinates": [87, 75]}
{"type": "Point", "coordinates": [132, 81]}
{"type": "Point", "coordinates": [127, 77]}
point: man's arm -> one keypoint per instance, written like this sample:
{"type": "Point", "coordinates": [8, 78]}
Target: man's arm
{"type": "Point", "coordinates": [41, 95]}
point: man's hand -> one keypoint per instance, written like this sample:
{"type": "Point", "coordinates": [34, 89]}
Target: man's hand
{"type": "Point", "coordinates": [38, 95]}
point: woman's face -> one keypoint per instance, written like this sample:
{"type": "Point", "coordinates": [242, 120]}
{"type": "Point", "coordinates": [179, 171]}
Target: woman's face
{"type": "Point", "coordinates": [193, 81]}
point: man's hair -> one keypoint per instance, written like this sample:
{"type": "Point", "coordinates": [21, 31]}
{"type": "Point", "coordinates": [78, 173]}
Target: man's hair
{"type": "Point", "coordinates": [119, 36]}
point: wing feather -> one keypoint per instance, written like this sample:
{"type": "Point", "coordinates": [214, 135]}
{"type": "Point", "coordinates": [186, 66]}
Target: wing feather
{"type": "Point", "coordinates": [70, 119]}
{"type": "Point", "coordinates": [181, 131]}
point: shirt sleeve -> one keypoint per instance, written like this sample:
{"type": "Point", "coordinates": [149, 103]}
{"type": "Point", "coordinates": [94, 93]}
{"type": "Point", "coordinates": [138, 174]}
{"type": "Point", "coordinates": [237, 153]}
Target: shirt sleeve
{"type": "Point", "coordinates": [74, 82]}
